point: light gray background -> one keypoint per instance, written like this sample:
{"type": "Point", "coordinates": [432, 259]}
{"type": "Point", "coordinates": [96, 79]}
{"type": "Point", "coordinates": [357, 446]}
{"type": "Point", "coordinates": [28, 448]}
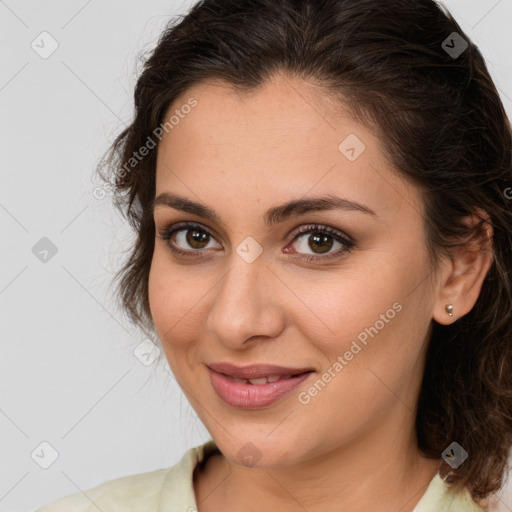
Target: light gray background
{"type": "Point", "coordinates": [69, 375]}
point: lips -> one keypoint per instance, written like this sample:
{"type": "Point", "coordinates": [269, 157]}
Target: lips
{"type": "Point", "coordinates": [255, 386]}
{"type": "Point", "coordinates": [257, 371]}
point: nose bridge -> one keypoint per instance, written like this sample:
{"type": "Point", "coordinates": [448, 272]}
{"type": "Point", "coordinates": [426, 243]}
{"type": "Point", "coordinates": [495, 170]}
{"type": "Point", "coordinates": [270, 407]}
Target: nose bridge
{"type": "Point", "coordinates": [242, 307]}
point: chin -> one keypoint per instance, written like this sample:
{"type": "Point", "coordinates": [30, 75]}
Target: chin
{"type": "Point", "coordinates": [258, 452]}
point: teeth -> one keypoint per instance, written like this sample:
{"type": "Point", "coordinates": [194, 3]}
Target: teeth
{"type": "Point", "coordinates": [264, 380]}
{"type": "Point", "coordinates": [261, 380]}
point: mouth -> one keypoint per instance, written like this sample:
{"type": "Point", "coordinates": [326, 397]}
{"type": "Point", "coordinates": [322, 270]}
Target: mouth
{"type": "Point", "coordinates": [257, 371]}
{"type": "Point", "coordinates": [254, 386]}
{"type": "Point", "coordinates": [262, 380]}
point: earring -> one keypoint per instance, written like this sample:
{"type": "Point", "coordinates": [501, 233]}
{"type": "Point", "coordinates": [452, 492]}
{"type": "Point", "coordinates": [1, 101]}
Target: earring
{"type": "Point", "coordinates": [449, 309]}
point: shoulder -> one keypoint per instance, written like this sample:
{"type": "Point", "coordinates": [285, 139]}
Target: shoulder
{"type": "Point", "coordinates": [440, 497]}
{"type": "Point", "coordinates": [144, 491]}
{"type": "Point", "coordinates": [126, 492]}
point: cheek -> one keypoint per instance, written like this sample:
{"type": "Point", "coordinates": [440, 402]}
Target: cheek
{"type": "Point", "coordinates": [337, 308]}
{"type": "Point", "coordinates": [178, 300]}
{"type": "Point", "coordinates": [369, 318]}
{"type": "Point", "coordinates": [369, 358]}
{"type": "Point", "coordinates": [167, 309]}
{"type": "Point", "coordinates": [171, 300]}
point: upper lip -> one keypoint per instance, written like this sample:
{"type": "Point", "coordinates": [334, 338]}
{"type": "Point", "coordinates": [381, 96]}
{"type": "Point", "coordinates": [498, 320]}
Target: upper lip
{"type": "Point", "coordinates": [255, 371]}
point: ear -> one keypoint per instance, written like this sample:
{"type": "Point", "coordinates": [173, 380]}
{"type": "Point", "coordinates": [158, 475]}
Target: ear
{"type": "Point", "coordinates": [464, 274]}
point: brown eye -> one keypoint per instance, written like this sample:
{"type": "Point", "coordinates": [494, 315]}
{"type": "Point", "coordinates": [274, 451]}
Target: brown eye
{"type": "Point", "coordinates": [196, 238]}
{"type": "Point", "coordinates": [192, 237]}
{"type": "Point", "coordinates": [315, 240]}
{"type": "Point", "coordinates": [320, 242]}
{"type": "Point", "coordinates": [187, 239]}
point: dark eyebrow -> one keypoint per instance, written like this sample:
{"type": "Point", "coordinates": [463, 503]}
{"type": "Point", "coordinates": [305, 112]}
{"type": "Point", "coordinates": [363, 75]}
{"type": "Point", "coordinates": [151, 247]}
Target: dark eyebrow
{"type": "Point", "coordinates": [272, 216]}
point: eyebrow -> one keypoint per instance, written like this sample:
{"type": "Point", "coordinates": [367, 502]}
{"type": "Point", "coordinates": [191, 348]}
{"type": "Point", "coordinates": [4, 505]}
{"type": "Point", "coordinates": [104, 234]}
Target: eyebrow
{"type": "Point", "coordinates": [272, 216]}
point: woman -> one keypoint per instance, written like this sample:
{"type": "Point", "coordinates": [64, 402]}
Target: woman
{"type": "Point", "coordinates": [321, 194]}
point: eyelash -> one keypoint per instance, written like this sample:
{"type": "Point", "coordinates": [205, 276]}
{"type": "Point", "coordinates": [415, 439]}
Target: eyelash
{"type": "Point", "coordinates": [170, 230]}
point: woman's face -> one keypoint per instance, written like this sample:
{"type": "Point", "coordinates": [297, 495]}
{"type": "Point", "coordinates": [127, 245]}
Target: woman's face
{"type": "Point", "coordinates": [357, 316]}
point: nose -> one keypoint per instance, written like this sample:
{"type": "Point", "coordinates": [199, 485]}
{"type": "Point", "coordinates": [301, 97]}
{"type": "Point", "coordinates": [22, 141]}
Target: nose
{"type": "Point", "coordinates": [247, 304]}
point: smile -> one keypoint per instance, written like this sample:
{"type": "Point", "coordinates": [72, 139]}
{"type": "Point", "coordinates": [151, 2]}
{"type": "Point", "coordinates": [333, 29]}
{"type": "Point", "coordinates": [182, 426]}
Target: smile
{"type": "Point", "coordinates": [255, 392]}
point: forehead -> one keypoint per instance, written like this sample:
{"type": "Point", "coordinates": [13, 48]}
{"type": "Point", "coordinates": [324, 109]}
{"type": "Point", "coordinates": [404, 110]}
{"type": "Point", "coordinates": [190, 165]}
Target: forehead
{"type": "Point", "coordinates": [287, 138]}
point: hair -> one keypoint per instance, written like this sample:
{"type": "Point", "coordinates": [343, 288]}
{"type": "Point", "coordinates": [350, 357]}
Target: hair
{"type": "Point", "coordinates": [441, 124]}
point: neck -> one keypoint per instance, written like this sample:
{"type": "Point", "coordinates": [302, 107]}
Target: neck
{"type": "Point", "coordinates": [378, 470]}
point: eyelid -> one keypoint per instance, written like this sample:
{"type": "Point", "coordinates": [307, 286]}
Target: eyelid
{"type": "Point", "coordinates": [311, 227]}
{"type": "Point", "coordinates": [170, 228]}
{"type": "Point", "coordinates": [349, 242]}
{"type": "Point", "coordinates": [303, 228]}
{"type": "Point", "coordinates": [339, 236]}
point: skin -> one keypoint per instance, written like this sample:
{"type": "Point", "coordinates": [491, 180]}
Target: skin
{"type": "Point", "coordinates": [353, 445]}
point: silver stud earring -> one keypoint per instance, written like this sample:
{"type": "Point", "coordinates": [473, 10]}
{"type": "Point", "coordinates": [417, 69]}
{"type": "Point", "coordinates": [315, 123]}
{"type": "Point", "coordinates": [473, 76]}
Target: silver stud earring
{"type": "Point", "coordinates": [449, 309]}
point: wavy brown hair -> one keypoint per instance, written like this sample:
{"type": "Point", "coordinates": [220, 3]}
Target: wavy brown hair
{"type": "Point", "coordinates": [441, 123]}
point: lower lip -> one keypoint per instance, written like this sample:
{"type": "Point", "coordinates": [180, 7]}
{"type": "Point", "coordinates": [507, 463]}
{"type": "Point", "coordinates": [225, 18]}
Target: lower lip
{"type": "Point", "coordinates": [252, 396]}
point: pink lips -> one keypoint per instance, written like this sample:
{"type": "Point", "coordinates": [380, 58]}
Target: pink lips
{"type": "Point", "coordinates": [226, 381]}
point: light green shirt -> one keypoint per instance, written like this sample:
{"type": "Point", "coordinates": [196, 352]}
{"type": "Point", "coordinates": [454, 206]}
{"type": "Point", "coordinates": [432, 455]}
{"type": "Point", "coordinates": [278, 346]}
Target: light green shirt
{"type": "Point", "coordinates": [171, 490]}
